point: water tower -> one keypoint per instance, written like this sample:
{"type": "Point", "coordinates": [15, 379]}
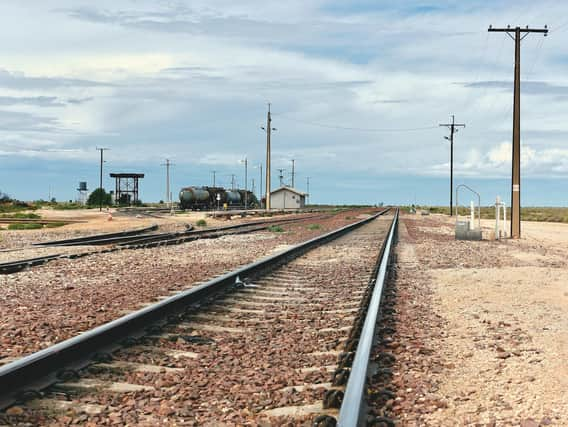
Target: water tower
{"type": "Point", "coordinates": [82, 193]}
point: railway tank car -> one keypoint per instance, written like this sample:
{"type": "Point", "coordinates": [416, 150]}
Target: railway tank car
{"type": "Point", "coordinates": [205, 198]}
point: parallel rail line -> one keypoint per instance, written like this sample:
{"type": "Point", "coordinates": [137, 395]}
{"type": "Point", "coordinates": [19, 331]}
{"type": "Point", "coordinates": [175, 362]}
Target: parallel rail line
{"type": "Point", "coordinates": [133, 240]}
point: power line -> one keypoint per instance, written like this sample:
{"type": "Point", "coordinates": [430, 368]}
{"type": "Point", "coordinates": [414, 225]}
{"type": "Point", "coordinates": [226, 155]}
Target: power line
{"type": "Point", "coordinates": [307, 122]}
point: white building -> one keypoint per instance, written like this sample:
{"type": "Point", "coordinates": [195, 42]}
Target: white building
{"type": "Point", "coordinates": [287, 198]}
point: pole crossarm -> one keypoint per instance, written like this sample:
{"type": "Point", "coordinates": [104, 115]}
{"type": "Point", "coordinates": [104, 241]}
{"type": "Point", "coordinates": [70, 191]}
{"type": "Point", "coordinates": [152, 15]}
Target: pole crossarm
{"type": "Point", "coordinates": [522, 30]}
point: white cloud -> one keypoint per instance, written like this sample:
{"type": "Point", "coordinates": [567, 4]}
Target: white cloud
{"type": "Point", "coordinates": [192, 78]}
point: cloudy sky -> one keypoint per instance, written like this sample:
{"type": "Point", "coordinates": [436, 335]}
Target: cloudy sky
{"type": "Point", "coordinates": [357, 90]}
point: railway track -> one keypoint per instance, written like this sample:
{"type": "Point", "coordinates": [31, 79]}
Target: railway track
{"type": "Point", "coordinates": [270, 341]}
{"type": "Point", "coordinates": [140, 239]}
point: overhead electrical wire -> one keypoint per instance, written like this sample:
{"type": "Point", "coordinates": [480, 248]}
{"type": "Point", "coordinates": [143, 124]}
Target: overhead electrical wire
{"type": "Point", "coordinates": [352, 128]}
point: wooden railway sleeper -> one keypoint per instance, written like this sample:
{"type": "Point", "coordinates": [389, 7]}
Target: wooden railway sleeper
{"type": "Point", "coordinates": [340, 377]}
{"type": "Point", "coordinates": [333, 399]}
{"type": "Point", "coordinates": [345, 359]}
{"type": "Point", "coordinates": [102, 357]}
{"type": "Point", "coordinates": [382, 396]}
{"type": "Point", "coordinates": [383, 375]}
{"type": "Point", "coordinates": [27, 395]}
{"type": "Point", "coordinates": [324, 421]}
{"type": "Point", "coordinates": [381, 422]}
{"type": "Point", "coordinates": [67, 375]}
{"type": "Point", "coordinates": [385, 359]}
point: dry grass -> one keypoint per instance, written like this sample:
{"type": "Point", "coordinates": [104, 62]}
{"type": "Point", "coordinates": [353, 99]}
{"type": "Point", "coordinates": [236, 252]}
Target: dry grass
{"type": "Point", "coordinates": [545, 214]}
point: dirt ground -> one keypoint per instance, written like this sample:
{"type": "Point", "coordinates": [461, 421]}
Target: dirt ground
{"type": "Point", "coordinates": [483, 326]}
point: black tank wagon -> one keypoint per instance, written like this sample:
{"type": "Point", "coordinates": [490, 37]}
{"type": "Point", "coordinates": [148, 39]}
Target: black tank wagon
{"type": "Point", "coordinates": [205, 198]}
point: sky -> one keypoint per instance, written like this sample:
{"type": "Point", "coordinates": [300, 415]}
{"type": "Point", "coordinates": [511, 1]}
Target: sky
{"type": "Point", "coordinates": [357, 91]}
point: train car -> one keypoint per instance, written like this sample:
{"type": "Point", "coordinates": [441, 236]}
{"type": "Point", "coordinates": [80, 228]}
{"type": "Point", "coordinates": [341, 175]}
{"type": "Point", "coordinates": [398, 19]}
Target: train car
{"type": "Point", "coordinates": [209, 198]}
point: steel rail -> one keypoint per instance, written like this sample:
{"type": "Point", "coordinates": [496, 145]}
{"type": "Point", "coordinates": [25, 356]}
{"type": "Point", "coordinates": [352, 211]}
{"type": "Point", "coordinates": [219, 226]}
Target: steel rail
{"type": "Point", "coordinates": [145, 241]}
{"type": "Point", "coordinates": [139, 236]}
{"type": "Point", "coordinates": [15, 266]}
{"type": "Point", "coordinates": [40, 369]}
{"type": "Point", "coordinates": [351, 413]}
{"type": "Point", "coordinates": [98, 236]}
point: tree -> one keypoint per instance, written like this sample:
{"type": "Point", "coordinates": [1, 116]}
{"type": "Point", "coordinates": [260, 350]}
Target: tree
{"type": "Point", "coordinates": [4, 197]}
{"type": "Point", "coordinates": [96, 196]}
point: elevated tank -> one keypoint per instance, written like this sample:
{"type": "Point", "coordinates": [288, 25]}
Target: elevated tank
{"type": "Point", "coordinates": [191, 195]}
{"type": "Point", "coordinates": [233, 197]}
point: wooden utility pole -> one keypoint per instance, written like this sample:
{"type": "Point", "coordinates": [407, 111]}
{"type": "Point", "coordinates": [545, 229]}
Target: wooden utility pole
{"type": "Point", "coordinates": [293, 164]}
{"type": "Point", "coordinates": [245, 161]}
{"type": "Point", "coordinates": [101, 179]}
{"type": "Point", "coordinates": [260, 182]}
{"type": "Point", "coordinates": [516, 169]}
{"type": "Point", "coordinates": [267, 180]}
{"type": "Point", "coordinates": [308, 188]}
{"type": "Point", "coordinates": [214, 173]}
{"type": "Point", "coordinates": [453, 129]}
{"type": "Point", "coordinates": [168, 193]}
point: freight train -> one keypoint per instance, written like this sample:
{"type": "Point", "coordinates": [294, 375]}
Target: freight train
{"type": "Point", "coordinates": [206, 198]}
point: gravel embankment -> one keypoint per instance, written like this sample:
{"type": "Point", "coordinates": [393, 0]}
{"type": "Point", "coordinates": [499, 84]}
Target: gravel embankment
{"type": "Point", "coordinates": [50, 303]}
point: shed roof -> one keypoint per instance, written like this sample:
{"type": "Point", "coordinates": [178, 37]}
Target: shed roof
{"type": "Point", "coordinates": [292, 190]}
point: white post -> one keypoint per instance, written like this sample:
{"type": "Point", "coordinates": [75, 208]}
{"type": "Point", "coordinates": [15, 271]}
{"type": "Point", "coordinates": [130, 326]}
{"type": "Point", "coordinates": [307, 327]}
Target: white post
{"type": "Point", "coordinates": [504, 220]}
{"type": "Point", "coordinates": [471, 214]}
{"type": "Point", "coordinates": [497, 213]}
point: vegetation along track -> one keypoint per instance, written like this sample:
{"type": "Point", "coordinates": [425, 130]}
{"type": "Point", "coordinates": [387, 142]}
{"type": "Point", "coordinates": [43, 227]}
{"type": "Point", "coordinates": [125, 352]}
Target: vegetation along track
{"type": "Point", "coordinates": [135, 240]}
{"type": "Point", "coordinates": [260, 343]}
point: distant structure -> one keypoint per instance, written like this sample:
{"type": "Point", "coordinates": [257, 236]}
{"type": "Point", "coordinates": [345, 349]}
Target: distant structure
{"type": "Point", "coordinates": [82, 193]}
{"type": "Point", "coordinates": [126, 188]}
{"type": "Point", "coordinates": [287, 198]}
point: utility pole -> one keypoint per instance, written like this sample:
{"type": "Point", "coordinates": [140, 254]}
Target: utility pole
{"type": "Point", "coordinates": [281, 176]}
{"type": "Point", "coordinates": [245, 161]}
{"type": "Point", "coordinates": [168, 193]}
{"type": "Point", "coordinates": [260, 181]}
{"type": "Point", "coordinates": [268, 129]}
{"type": "Point", "coordinates": [516, 169]}
{"type": "Point", "coordinates": [308, 187]}
{"type": "Point", "coordinates": [252, 188]}
{"type": "Point", "coordinates": [293, 164]}
{"type": "Point", "coordinates": [453, 129]}
{"type": "Point", "coordinates": [101, 179]}
{"type": "Point", "coordinates": [213, 172]}
{"type": "Point", "coordinates": [233, 181]}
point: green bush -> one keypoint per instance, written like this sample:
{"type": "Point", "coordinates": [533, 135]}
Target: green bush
{"type": "Point", "coordinates": [201, 223]}
{"type": "Point", "coordinates": [32, 226]}
{"type": "Point", "coordinates": [314, 227]}
{"type": "Point", "coordinates": [67, 206]}
{"type": "Point", "coordinates": [275, 229]}
{"type": "Point", "coordinates": [99, 195]}
{"type": "Point", "coordinates": [23, 216]}
{"type": "Point", "coordinates": [55, 224]}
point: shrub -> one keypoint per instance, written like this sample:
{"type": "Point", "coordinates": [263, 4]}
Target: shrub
{"type": "Point", "coordinates": [99, 195]}
{"type": "Point", "coordinates": [275, 229]}
{"type": "Point", "coordinates": [314, 227]}
{"type": "Point", "coordinates": [55, 224]}
{"type": "Point", "coordinates": [67, 206]}
{"type": "Point", "coordinates": [25, 215]}
{"type": "Point", "coordinates": [201, 223]}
